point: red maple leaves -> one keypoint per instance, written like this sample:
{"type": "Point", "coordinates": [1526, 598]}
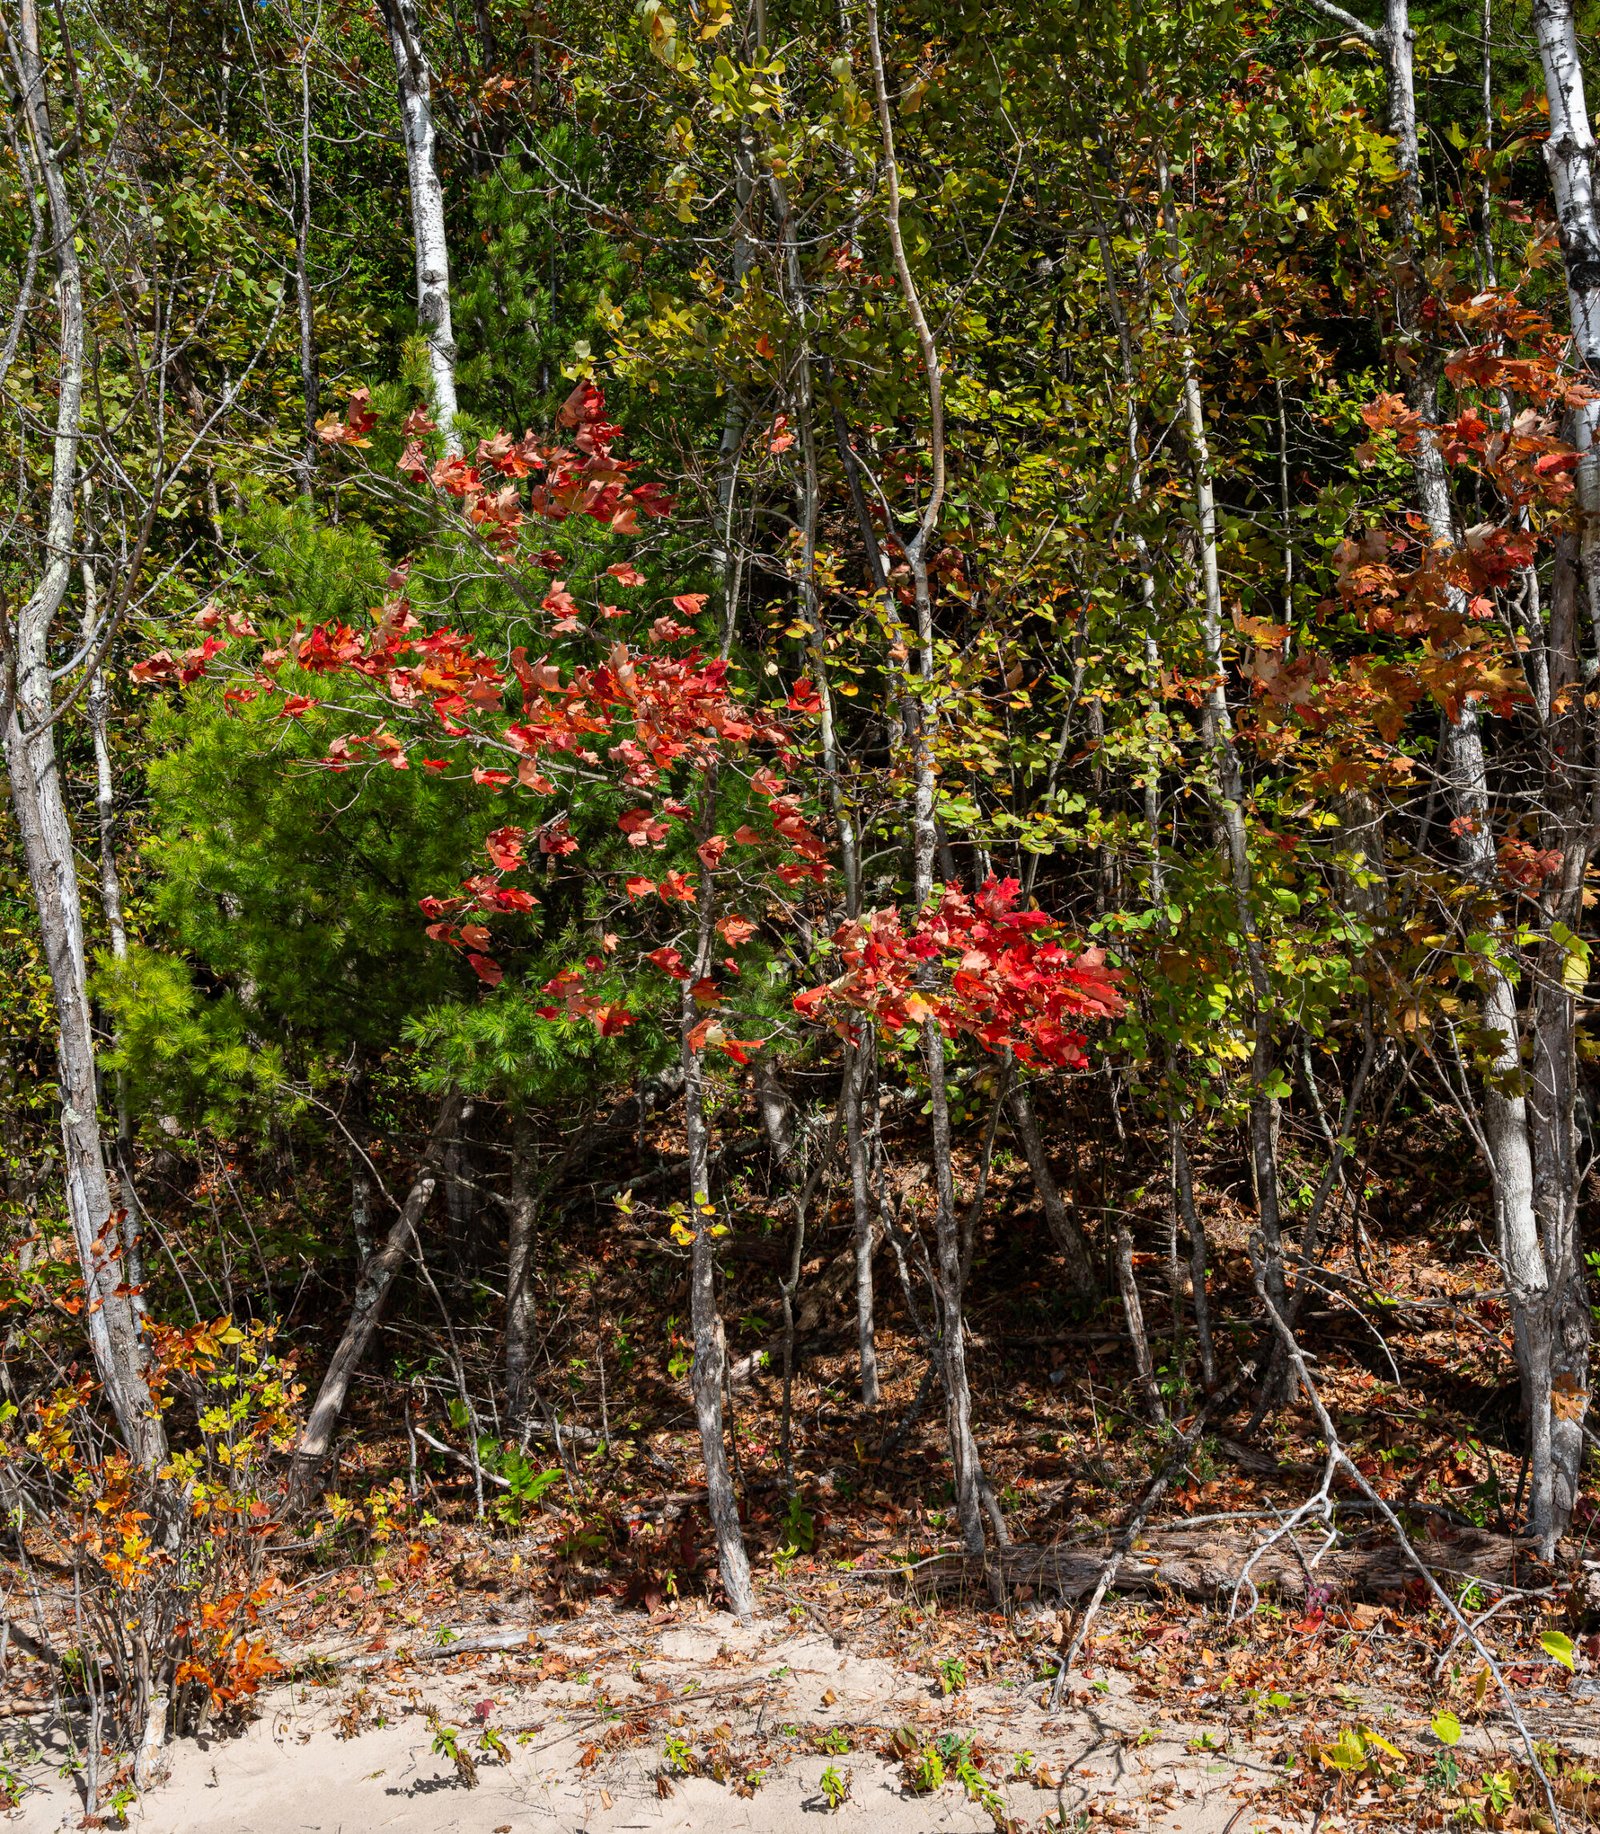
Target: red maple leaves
{"type": "Point", "coordinates": [583, 479]}
{"type": "Point", "coordinates": [1009, 980]}
{"type": "Point", "coordinates": [642, 718]}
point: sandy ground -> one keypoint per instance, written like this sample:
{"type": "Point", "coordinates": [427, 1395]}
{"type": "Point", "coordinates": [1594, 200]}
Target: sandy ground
{"type": "Point", "coordinates": [590, 1751]}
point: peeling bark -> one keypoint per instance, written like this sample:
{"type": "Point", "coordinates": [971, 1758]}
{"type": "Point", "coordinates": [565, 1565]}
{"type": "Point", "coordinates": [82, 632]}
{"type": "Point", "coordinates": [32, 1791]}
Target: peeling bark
{"type": "Point", "coordinates": [110, 1316]}
{"type": "Point", "coordinates": [415, 84]}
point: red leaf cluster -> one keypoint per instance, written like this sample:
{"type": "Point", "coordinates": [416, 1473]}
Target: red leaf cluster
{"type": "Point", "coordinates": [1527, 866]}
{"type": "Point", "coordinates": [585, 478]}
{"type": "Point", "coordinates": [1010, 981]}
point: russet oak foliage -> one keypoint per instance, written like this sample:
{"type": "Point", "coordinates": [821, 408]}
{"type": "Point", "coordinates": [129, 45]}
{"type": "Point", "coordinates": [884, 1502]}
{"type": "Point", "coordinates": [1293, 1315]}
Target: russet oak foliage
{"type": "Point", "coordinates": [1345, 706]}
{"type": "Point", "coordinates": [658, 719]}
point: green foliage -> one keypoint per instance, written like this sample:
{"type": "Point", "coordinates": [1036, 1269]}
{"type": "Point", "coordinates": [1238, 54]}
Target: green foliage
{"type": "Point", "coordinates": [192, 1062]}
{"type": "Point", "coordinates": [499, 1047]}
{"type": "Point", "coordinates": [294, 887]}
{"type": "Point", "coordinates": [526, 1481]}
{"type": "Point", "coordinates": [540, 284]}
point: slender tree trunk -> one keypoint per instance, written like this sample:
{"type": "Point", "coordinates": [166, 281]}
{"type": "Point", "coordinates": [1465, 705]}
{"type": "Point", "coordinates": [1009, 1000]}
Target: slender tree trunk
{"type": "Point", "coordinates": [1065, 1230]}
{"type": "Point", "coordinates": [857, 1082]}
{"type": "Point", "coordinates": [710, 1344]}
{"type": "Point", "coordinates": [1464, 770]}
{"type": "Point", "coordinates": [726, 556]}
{"type": "Point", "coordinates": [372, 1294]}
{"type": "Point", "coordinates": [97, 707]}
{"type": "Point", "coordinates": [1227, 772]}
{"type": "Point", "coordinates": [1571, 748]}
{"type": "Point", "coordinates": [966, 1466]}
{"type": "Point", "coordinates": [415, 84]}
{"type": "Point", "coordinates": [858, 1058]}
{"type": "Point", "coordinates": [1138, 1336]}
{"type": "Point", "coordinates": [519, 1276]}
{"type": "Point", "coordinates": [921, 714]}
{"type": "Point", "coordinates": [310, 386]}
{"type": "Point", "coordinates": [1183, 1196]}
{"type": "Point", "coordinates": [360, 1208]}
{"type": "Point", "coordinates": [1570, 155]}
{"type": "Point", "coordinates": [855, 477]}
{"type": "Point", "coordinates": [1559, 1323]}
{"type": "Point", "coordinates": [1182, 1178]}
{"type": "Point", "coordinates": [776, 1110]}
{"type": "Point", "coordinates": [110, 1315]}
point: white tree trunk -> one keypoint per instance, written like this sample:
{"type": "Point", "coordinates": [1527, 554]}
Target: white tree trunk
{"type": "Point", "coordinates": [110, 1316]}
{"type": "Point", "coordinates": [709, 1368]}
{"type": "Point", "coordinates": [1565, 1324]}
{"type": "Point", "coordinates": [1531, 1152]}
{"type": "Point", "coordinates": [415, 84]}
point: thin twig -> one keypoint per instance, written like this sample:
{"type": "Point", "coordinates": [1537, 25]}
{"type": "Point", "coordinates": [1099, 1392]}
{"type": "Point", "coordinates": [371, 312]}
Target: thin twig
{"type": "Point", "coordinates": [1339, 1458]}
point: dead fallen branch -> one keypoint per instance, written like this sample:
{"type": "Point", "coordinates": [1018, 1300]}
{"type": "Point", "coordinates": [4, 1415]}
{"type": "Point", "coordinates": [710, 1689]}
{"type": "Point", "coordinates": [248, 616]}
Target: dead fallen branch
{"type": "Point", "coordinates": [1321, 1507]}
{"type": "Point", "coordinates": [1204, 1565]}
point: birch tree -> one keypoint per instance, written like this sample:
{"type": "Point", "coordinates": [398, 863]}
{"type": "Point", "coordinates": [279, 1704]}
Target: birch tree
{"type": "Point", "coordinates": [31, 711]}
{"type": "Point", "coordinates": [414, 81]}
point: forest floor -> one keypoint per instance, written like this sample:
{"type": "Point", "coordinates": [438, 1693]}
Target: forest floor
{"type": "Point", "coordinates": [533, 1713]}
{"type": "Point", "coordinates": [458, 1655]}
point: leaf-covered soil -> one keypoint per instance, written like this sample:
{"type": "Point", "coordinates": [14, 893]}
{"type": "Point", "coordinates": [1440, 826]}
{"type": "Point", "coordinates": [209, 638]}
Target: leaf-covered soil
{"type": "Point", "coordinates": [930, 1716]}
{"type": "Point", "coordinates": [579, 1624]}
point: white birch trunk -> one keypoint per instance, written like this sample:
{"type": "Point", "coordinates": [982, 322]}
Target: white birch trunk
{"type": "Point", "coordinates": [415, 83]}
{"type": "Point", "coordinates": [110, 1316]}
{"type": "Point", "coordinates": [1565, 1327]}
{"type": "Point", "coordinates": [1464, 768]}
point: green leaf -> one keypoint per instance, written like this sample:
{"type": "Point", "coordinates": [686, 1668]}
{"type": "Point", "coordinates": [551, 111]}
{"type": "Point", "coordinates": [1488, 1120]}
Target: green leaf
{"type": "Point", "coordinates": [1377, 1738]}
{"type": "Point", "coordinates": [1348, 1752]}
{"type": "Point", "coordinates": [1446, 1728]}
{"type": "Point", "coordinates": [1557, 1645]}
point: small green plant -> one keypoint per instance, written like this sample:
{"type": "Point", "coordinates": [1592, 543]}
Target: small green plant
{"type": "Point", "coordinates": [835, 1789]}
{"type": "Point", "coordinates": [1444, 1774]}
{"type": "Point", "coordinates": [978, 1787]}
{"type": "Point", "coordinates": [834, 1740]}
{"type": "Point", "coordinates": [447, 1744]}
{"type": "Point", "coordinates": [526, 1481]}
{"type": "Point", "coordinates": [799, 1527]}
{"type": "Point", "coordinates": [952, 1676]}
{"type": "Point", "coordinates": [1499, 1790]}
{"type": "Point", "coordinates": [1358, 1751]}
{"type": "Point", "coordinates": [925, 1770]}
{"type": "Point", "coordinates": [676, 1753]}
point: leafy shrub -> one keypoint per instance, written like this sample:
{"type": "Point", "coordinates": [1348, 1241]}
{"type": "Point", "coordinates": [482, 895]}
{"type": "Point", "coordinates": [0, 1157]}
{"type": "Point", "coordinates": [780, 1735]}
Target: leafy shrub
{"type": "Point", "coordinates": [149, 1586]}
